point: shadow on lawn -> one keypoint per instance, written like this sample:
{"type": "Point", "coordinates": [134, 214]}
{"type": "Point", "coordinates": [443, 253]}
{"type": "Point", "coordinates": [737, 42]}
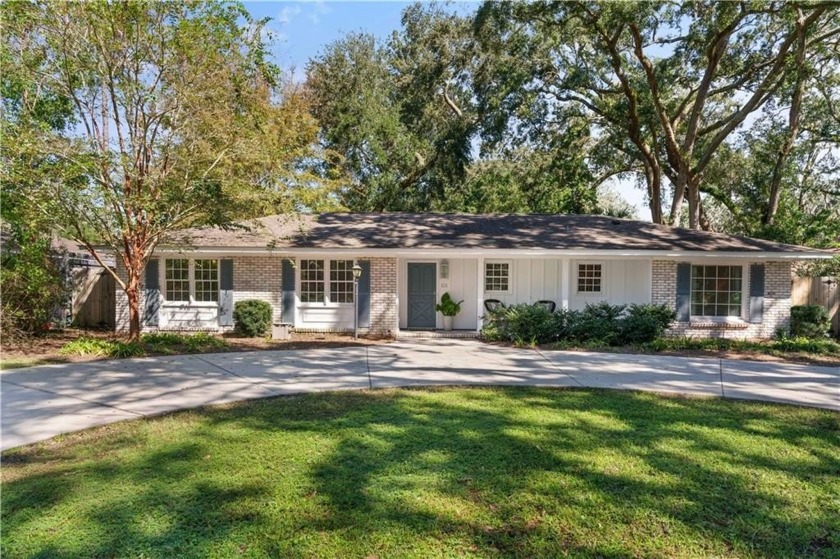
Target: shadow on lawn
{"type": "Point", "coordinates": [584, 472]}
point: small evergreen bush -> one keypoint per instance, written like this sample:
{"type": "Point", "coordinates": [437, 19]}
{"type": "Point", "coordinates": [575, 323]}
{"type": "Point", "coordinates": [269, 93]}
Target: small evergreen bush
{"type": "Point", "coordinates": [645, 323]}
{"type": "Point", "coordinates": [523, 325]}
{"type": "Point", "coordinates": [809, 321]}
{"type": "Point", "coordinates": [596, 325]}
{"type": "Point", "coordinates": [252, 318]}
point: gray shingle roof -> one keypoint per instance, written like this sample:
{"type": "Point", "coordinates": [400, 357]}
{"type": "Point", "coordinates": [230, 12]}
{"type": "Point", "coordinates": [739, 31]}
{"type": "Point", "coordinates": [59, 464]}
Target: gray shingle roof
{"type": "Point", "coordinates": [466, 231]}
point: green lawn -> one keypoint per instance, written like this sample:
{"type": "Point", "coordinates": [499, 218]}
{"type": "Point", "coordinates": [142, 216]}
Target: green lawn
{"type": "Point", "coordinates": [436, 473]}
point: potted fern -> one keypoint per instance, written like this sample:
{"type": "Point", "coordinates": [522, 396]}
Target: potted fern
{"type": "Point", "coordinates": [449, 309]}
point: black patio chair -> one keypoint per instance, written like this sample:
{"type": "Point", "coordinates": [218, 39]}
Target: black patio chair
{"type": "Point", "coordinates": [548, 304]}
{"type": "Point", "coordinates": [493, 304]}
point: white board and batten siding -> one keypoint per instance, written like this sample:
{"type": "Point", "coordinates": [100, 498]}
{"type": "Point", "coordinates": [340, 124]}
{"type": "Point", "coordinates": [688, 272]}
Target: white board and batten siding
{"type": "Point", "coordinates": [532, 280]}
{"type": "Point", "coordinates": [623, 282]}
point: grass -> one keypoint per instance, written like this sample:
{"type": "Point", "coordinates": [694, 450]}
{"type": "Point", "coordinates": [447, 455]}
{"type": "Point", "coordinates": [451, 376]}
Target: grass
{"type": "Point", "coordinates": [161, 343]}
{"type": "Point", "coordinates": [21, 362]}
{"type": "Point", "coordinates": [472, 472]}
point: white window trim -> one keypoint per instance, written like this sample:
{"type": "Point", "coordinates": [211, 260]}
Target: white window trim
{"type": "Point", "coordinates": [603, 290]}
{"type": "Point", "coordinates": [192, 303]}
{"type": "Point", "coordinates": [327, 304]}
{"type": "Point", "coordinates": [510, 276]}
{"type": "Point", "coordinates": [745, 286]}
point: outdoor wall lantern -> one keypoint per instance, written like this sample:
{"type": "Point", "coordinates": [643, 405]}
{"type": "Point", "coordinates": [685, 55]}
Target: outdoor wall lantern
{"type": "Point", "coordinates": [357, 273]}
{"type": "Point", "coordinates": [444, 269]}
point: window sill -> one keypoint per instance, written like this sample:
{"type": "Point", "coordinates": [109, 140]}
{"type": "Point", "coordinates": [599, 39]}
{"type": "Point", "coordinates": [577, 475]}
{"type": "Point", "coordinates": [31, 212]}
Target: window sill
{"type": "Point", "coordinates": [709, 324]}
{"type": "Point", "coordinates": [189, 305]}
{"type": "Point", "coordinates": [324, 305]}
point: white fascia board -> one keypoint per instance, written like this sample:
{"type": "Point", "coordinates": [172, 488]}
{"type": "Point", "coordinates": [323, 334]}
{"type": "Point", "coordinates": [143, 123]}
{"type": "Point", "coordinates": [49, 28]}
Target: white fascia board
{"type": "Point", "coordinates": [497, 253]}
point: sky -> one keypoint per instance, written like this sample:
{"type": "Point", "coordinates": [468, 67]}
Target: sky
{"type": "Point", "coordinates": [302, 30]}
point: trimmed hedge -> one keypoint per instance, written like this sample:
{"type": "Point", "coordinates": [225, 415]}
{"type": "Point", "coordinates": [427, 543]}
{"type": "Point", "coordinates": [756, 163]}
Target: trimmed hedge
{"type": "Point", "coordinates": [602, 323]}
{"type": "Point", "coordinates": [809, 321]}
{"type": "Point", "coordinates": [252, 318]}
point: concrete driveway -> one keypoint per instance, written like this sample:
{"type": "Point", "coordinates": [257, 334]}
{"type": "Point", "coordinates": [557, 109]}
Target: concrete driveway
{"type": "Point", "coordinates": [41, 402]}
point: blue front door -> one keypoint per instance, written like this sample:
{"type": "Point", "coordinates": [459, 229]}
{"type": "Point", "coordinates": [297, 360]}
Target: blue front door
{"type": "Point", "coordinates": [421, 295]}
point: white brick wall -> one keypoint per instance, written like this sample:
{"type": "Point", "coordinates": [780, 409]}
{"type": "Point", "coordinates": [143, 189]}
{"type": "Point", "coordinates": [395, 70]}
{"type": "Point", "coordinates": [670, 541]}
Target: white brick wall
{"type": "Point", "coordinates": [260, 277]}
{"type": "Point", "coordinates": [383, 296]}
{"type": "Point", "coordinates": [777, 284]}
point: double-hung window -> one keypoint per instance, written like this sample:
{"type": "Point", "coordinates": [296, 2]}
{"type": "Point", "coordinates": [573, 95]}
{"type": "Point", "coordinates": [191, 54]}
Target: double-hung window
{"type": "Point", "coordinates": [326, 281]}
{"type": "Point", "coordinates": [716, 291]}
{"type": "Point", "coordinates": [189, 281]}
{"type": "Point", "coordinates": [590, 278]}
{"type": "Point", "coordinates": [497, 277]}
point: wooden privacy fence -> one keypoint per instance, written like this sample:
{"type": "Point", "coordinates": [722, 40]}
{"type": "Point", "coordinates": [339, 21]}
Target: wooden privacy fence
{"type": "Point", "coordinates": [94, 298]}
{"type": "Point", "coordinates": [819, 291]}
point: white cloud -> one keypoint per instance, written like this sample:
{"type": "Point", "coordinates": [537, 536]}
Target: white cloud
{"type": "Point", "coordinates": [319, 8]}
{"type": "Point", "coordinates": [287, 13]}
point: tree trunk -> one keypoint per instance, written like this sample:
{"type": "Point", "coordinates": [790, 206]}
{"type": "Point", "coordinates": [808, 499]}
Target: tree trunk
{"type": "Point", "coordinates": [653, 176]}
{"type": "Point", "coordinates": [132, 291]}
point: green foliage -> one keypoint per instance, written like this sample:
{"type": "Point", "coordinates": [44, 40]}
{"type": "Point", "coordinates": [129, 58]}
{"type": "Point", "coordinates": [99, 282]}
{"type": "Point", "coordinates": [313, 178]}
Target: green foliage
{"type": "Point", "coordinates": [32, 284]}
{"type": "Point", "coordinates": [179, 119]}
{"type": "Point", "coordinates": [599, 321]}
{"type": "Point", "coordinates": [643, 323]}
{"type": "Point", "coordinates": [103, 348]}
{"type": "Point", "coordinates": [252, 318]}
{"type": "Point", "coordinates": [809, 321]}
{"type": "Point", "coordinates": [596, 325]}
{"type": "Point", "coordinates": [448, 306]}
{"type": "Point", "coordinates": [820, 268]}
{"type": "Point", "coordinates": [523, 324]}
{"type": "Point", "coordinates": [782, 345]}
{"type": "Point", "coordinates": [175, 343]}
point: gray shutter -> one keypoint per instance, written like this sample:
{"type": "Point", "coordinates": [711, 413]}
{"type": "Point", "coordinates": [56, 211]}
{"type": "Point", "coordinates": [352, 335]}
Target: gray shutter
{"type": "Point", "coordinates": [287, 312]}
{"type": "Point", "coordinates": [364, 294]}
{"type": "Point", "coordinates": [756, 293]}
{"type": "Point", "coordinates": [152, 293]}
{"type": "Point", "coordinates": [683, 306]}
{"type": "Point", "coordinates": [226, 292]}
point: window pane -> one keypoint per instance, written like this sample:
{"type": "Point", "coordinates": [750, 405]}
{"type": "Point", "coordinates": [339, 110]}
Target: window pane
{"type": "Point", "coordinates": [312, 281]}
{"type": "Point", "coordinates": [589, 278]}
{"type": "Point", "coordinates": [206, 274]}
{"type": "Point", "coordinates": [341, 281]}
{"type": "Point", "coordinates": [177, 279]}
{"type": "Point", "coordinates": [496, 276]}
{"type": "Point", "coordinates": [718, 288]}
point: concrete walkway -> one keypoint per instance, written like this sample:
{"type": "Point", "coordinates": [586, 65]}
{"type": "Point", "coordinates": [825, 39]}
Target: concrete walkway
{"type": "Point", "coordinates": [41, 402]}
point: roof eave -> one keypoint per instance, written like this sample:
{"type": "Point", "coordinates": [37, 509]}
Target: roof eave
{"type": "Point", "coordinates": [501, 253]}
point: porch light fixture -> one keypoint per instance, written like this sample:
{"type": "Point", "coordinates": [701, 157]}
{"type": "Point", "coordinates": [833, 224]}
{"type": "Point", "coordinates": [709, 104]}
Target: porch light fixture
{"type": "Point", "coordinates": [357, 273]}
{"type": "Point", "coordinates": [444, 269]}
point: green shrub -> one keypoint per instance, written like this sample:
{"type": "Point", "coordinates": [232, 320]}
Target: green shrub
{"type": "Point", "coordinates": [600, 321]}
{"type": "Point", "coordinates": [644, 323]}
{"type": "Point", "coordinates": [251, 318]}
{"type": "Point", "coordinates": [596, 325]}
{"type": "Point", "coordinates": [807, 345]}
{"type": "Point", "coordinates": [202, 341]}
{"type": "Point", "coordinates": [809, 321]}
{"type": "Point", "coordinates": [102, 348]}
{"type": "Point", "coordinates": [522, 325]}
